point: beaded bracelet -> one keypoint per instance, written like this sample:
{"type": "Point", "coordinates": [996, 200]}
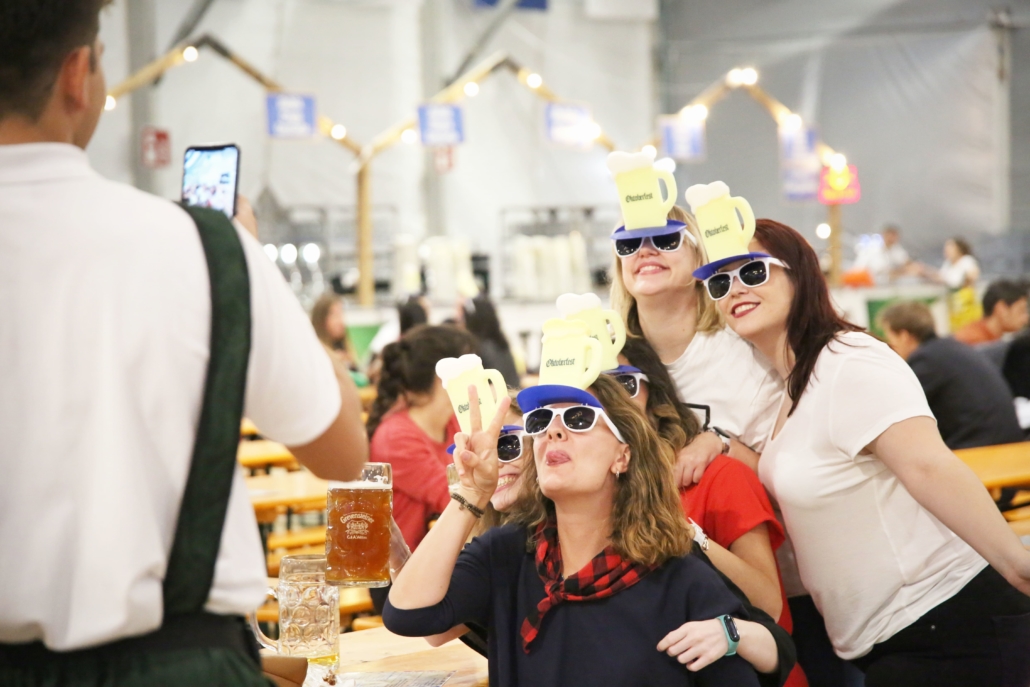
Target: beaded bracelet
{"type": "Point", "coordinates": [465, 505]}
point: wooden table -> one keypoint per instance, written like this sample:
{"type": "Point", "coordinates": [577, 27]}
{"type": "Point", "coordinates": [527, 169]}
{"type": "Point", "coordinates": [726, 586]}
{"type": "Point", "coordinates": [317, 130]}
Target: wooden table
{"type": "Point", "coordinates": [1005, 465]}
{"type": "Point", "coordinates": [299, 491]}
{"type": "Point", "coordinates": [380, 651]}
{"type": "Point", "coordinates": [261, 453]}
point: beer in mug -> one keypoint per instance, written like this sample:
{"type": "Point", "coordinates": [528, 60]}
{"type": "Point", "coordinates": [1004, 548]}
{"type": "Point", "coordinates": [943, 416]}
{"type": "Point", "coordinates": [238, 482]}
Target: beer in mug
{"type": "Point", "coordinates": [358, 533]}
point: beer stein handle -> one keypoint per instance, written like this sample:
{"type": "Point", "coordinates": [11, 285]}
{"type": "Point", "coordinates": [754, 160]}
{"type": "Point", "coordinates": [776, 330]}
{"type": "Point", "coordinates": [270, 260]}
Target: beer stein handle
{"type": "Point", "coordinates": [747, 214]}
{"type": "Point", "coordinates": [612, 318]}
{"type": "Point", "coordinates": [399, 551]}
{"type": "Point", "coordinates": [594, 357]}
{"type": "Point", "coordinates": [500, 387]}
{"type": "Point", "coordinates": [670, 189]}
{"type": "Point", "coordinates": [260, 636]}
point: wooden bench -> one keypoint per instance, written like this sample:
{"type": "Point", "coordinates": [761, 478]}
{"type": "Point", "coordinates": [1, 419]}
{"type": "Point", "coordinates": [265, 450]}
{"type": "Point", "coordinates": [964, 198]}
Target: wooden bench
{"type": "Point", "coordinates": [295, 539]}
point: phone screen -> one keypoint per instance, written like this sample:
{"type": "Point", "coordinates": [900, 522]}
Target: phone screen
{"type": "Point", "coordinates": [209, 177]}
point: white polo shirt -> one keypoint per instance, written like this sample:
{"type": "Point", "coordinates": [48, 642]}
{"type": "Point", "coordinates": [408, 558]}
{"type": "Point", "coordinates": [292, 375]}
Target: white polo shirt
{"type": "Point", "coordinates": [105, 311]}
{"type": "Point", "coordinates": [721, 370]}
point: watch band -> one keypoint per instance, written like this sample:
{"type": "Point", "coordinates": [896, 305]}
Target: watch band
{"type": "Point", "coordinates": [722, 436]}
{"type": "Point", "coordinates": [732, 636]}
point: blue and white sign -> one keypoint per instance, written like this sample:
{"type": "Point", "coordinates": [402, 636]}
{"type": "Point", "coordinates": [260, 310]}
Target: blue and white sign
{"type": "Point", "coordinates": [291, 115]}
{"type": "Point", "coordinates": [683, 137]}
{"type": "Point", "coordinates": [569, 124]}
{"type": "Point", "coordinates": [441, 125]}
{"type": "Point", "coordinates": [800, 165]}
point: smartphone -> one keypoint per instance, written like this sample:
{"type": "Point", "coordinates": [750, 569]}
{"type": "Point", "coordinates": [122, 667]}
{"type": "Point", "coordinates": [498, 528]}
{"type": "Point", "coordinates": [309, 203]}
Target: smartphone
{"type": "Point", "coordinates": [210, 177]}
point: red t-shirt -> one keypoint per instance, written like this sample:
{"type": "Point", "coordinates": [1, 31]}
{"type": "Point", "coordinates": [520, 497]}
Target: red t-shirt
{"type": "Point", "coordinates": [728, 502]}
{"type": "Point", "coordinates": [975, 333]}
{"type": "Point", "coordinates": [419, 471]}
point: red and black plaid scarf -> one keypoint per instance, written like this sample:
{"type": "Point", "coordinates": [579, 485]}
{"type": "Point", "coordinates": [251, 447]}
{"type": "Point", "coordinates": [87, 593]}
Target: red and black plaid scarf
{"type": "Point", "coordinates": [607, 574]}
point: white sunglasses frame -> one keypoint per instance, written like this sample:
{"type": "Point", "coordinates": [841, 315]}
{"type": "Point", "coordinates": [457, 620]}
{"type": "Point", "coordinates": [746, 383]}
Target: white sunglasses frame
{"type": "Point", "coordinates": [522, 445]}
{"type": "Point", "coordinates": [682, 231]}
{"type": "Point", "coordinates": [640, 377]}
{"type": "Point", "coordinates": [735, 274]}
{"type": "Point", "coordinates": [560, 412]}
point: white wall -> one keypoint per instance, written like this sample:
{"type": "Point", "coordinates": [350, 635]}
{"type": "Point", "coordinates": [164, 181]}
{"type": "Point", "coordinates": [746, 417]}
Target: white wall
{"type": "Point", "coordinates": [362, 61]}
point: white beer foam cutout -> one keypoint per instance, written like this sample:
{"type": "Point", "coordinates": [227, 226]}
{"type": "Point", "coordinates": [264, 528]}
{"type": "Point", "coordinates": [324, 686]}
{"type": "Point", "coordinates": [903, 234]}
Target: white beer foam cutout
{"type": "Point", "coordinates": [449, 368]}
{"type": "Point", "coordinates": [701, 194]}
{"type": "Point", "coordinates": [571, 303]}
{"type": "Point", "coordinates": [619, 161]}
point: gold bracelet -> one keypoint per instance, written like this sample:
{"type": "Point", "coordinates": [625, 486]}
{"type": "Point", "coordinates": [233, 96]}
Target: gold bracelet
{"type": "Point", "coordinates": [465, 505]}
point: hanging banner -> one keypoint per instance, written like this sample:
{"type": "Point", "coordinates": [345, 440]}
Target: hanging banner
{"type": "Point", "coordinates": [839, 186]}
{"type": "Point", "coordinates": [569, 124]}
{"type": "Point", "coordinates": [683, 137]}
{"type": "Point", "coordinates": [441, 125]}
{"type": "Point", "coordinates": [800, 167]}
{"type": "Point", "coordinates": [291, 115]}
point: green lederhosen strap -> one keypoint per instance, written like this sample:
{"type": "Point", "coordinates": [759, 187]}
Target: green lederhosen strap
{"type": "Point", "coordinates": [191, 647]}
{"type": "Point", "coordinates": [198, 535]}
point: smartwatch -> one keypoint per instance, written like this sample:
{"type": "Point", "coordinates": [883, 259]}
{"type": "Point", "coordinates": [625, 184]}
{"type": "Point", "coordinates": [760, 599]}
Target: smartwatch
{"type": "Point", "coordinates": [722, 434]}
{"type": "Point", "coordinates": [732, 636]}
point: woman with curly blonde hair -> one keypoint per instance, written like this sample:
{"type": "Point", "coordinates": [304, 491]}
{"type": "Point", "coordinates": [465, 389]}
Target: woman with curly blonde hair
{"type": "Point", "coordinates": [591, 582]}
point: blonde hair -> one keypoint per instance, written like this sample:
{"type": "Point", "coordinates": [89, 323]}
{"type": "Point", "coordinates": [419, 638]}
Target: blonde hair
{"type": "Point", "coordinates": [708, 317]}
{"type": "Point", "coordinates": [648, 526]}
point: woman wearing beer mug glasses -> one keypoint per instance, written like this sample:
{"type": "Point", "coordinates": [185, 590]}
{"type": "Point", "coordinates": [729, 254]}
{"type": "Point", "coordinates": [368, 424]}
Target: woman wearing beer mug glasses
{"type": "Point", "coordinates": [601, 522]}
{"type": "Point", "coordinates": [655, 292]}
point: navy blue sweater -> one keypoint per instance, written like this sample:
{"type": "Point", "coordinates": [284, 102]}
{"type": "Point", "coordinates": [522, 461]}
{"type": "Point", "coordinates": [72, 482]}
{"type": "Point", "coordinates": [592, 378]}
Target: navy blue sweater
{"type": "Point", "coordinates": [605, 642]}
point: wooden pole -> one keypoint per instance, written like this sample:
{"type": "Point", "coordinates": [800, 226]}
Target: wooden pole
{"type": "Point", "coordinates": [833, 219]}
{"type": "Point", "coordinates": [366, 259]}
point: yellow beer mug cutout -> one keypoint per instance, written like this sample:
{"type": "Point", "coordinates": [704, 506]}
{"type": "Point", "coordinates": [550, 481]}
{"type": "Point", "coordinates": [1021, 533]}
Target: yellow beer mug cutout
{"type": "Point", "coordinates": [640, 195]}
{"type": "Point", "coordinates": [604, 325]}
{"type": "Point", "coordinates": [569, 356]}
{"type": "Point", "coordinates": [458, 374]}
{"type": "Point", "coordinates": [722, 232]}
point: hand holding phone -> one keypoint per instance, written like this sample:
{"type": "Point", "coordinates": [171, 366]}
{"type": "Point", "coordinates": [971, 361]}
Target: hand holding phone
{"type": "Point", "coordinates": [210, 177]}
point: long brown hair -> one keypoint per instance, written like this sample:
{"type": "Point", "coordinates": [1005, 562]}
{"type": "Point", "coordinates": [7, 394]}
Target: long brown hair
{"type": "Point", "coordinates": [409, 365]}
{"type": "Point", "coordinates": [319, 314]}
{"type": "Point", "coordinates": [812, 322]}
{"type": "Point", "coordinates": [708, 317]}
{"type": "Point", "coordinates": [676, 423]}
{"type": "Point", "coordinates": [648, 526]}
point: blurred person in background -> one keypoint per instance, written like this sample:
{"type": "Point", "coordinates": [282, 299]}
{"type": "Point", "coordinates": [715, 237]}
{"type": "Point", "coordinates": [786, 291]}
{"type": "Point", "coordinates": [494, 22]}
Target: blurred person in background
{"type": "Point", "coordinates": [480, 318]}
{"type": "Point", "coordinates": [410, 313]}
{"type": "Point", "coordinates": [327, 319]}
{"type": "Point", "coordinates": [959, 273]}
{"type": "Point", "coordinates": [919, 577]}
{"type": "Point", "coordinates": [180, 325]}
{"type": "Point", "coordinates": [411, 424]}
{"type": "Point", "coordinates": [967, 394]}
{"type": "Point", "coordinates": [1005, 312]}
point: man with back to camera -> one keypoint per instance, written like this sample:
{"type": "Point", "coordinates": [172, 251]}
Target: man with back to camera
{"type": "Point", "coordinates": [1005, 312]}
{"type": "Point", "coordinates": [130, 548]}
{"type": "Point", "coordinates": [967, 394]}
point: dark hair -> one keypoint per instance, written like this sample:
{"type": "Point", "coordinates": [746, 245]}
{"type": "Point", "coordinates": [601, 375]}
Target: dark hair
{"type": "Point", "coordinates": [1003, 290]}
{"type": "Point", "coordinates": [909, 316]}
{"type": "Point", "coordinates": [962, 245]}
{"type": "Point", "coordinates": [35, 38]}
{"type": "Point", "coordinates": [675, 422]}
{"type": "Point", "coordinates": [411, 313]}
{"type": "Point", "coordinates": [482, 322]}
{"type": "Point", "coordinates": [409, 365]}
{"type": "Point", "coordinates": [812, 322]}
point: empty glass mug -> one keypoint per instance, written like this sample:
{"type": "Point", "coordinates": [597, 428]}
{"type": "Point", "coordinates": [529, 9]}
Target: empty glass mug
{"type": "Point", "coordinates": [309, 612]}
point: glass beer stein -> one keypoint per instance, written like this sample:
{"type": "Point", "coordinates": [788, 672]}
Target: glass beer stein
{"type": "Point", "coordinates": [358, 532]}
{"type": "Point", "coordinates": [309, 612]}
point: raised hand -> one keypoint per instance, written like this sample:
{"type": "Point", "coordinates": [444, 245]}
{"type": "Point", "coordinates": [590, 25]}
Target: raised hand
{"type": "Point", "coordinates": [475, 454]}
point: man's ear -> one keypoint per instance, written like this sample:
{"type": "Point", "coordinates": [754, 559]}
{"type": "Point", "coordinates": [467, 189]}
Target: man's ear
{"type": "Point", "coordinates": [73, 80]}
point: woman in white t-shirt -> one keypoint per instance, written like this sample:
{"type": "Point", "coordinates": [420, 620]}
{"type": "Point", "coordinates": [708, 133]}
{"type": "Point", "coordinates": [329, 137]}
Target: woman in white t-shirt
{"type": "Point", "coordinates": [893, 533]}
{"type": "Point", "coordinates": [655, 292]}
